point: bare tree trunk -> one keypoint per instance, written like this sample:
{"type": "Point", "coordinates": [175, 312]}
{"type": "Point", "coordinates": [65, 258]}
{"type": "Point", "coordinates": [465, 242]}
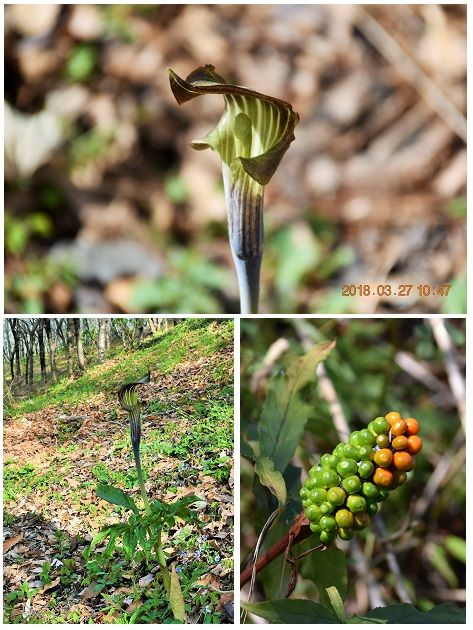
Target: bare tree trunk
{"type": "Point", "coordinates": [42, 358]}
{"type": "Point", "coordinates": [79, 346]}
{"type": "Point", "coordinates": [152, 324]}
{"type": "Point", "coordinates": [69, 345]}
{"type": "Point", "coordinates": [107, 334]}
{"type": "Point", "coordinates": [13, 323]}
{"type": "Point", "coordinates": [30, 355]}
{"type": "Point", "coordinates": [52, 343]}
{"type": "Point", "coordinates": [102, 339]}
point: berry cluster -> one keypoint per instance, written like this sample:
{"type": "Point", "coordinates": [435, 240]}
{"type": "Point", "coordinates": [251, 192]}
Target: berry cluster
{"type": "Point", "coordinates": [342, 491]}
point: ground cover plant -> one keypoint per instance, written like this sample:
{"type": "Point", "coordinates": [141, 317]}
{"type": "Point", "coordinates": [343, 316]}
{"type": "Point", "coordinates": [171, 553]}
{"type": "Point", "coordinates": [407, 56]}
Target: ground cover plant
{"type": "Point", "coordinates": [63, 454]}
{"type": "Point", "coordinates": [356, 518]}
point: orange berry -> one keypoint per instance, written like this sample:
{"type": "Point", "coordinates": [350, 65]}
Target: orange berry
{"type": "Point", "coordinates": [412, 426]}
{"type": "Point", "coordinates": [383, 457]}
{"type": "Point", "coordinates": [383, 477]}
{"type": "Point", "coordinates": [403, 461]}
{"type": "Point", "coordinates": [400, 442]}
{"type": "Point", "coordinates": [393, 416]}
{"type": "Point", "coordinates": [414, 444]}
{"type": "Point", "coordinates": [399, 478]}
{"type": "Point", "coordinates": [399, 427]}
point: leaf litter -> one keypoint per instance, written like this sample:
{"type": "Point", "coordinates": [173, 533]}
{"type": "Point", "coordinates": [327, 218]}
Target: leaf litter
{"type": "Point", "coordinates": [53, 513]}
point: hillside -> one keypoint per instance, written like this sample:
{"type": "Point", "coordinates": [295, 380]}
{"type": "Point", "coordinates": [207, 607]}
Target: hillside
{"type": "Point", "coordinates": [60, 443]}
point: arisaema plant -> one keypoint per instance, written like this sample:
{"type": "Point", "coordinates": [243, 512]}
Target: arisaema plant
{"type": "Point", "coordinates": [141, 535]}
{"type": "Point", "coordinates": [251, 138]}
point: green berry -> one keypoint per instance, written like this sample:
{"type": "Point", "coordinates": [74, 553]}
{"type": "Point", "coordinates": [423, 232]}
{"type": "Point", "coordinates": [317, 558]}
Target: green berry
{"type": "Point", "coordinates": [345, 534]}
{"type": "Point", "coordinates": [330, 478]}
{"type": "Point", "coordinates": [381, 425]}
{"type": "Point", "coordinates": [353, 439]}
{"type": "Point", "coordinates": [329, 461]}
{"type": "Point", "coordinates": [365, 452]}
{"type": "Point", "coordinates": [327, 537]}
{"type": "Point", "coordinates": [371, 507]}
{"type": "Point", "coordinates": [356, 503]}
{"type": "Point", "coordinates": [351, 484]}
{"type": "Point", "coordinates": [366, 438]}
{"type": "Point", "coordinates": [304, 493]}
{"type": "Point", "coordinates": [344, 518]}
{"type": "Point", "coordinates": [315, 481]}
{"type": "Point", "coordinates": [313, 513]}
{"type": "Point", "coordinates": [306, 502]}
{"type": "Point", "coordinates": [318, 495]}
{"type": "Point", "coordinates": [328, 523]}
{"type": "Point", "coordinates": [315, 528]}
{"type": "Point", "coordinates": [383, 494]}
{"type": "Point", "coordinates": [365, 469]}
{"type": "Point", "coordinates": [346, 467]}
{"type": "Point", "coordinates": [326, 508]}
{"type": "Point", "coordinates": [338, 451]}
{"type": "Point", "coordinates": [336, 496]}
{"type": "Point", "coordinates": [313, 472]}
{"type": "Point", "coordinates": [369, 490]}
{"type": "Point", "coordinates": [361, 520]}
{"type": "Point", "coordinates": [350, 451]}
{"type": "Point", "coordinates": [382, 441]}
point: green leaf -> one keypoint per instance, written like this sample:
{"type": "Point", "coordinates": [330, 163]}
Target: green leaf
{"type": "Point", "coordinates": [116, 497]}
{"type": "Point", "coordinates": [255, 130]}
{"type": "Point", "coordinates": [456, 546]}
{"type": "Point", "coordinates": [361, 619]}
{"type": "Point", "coordinates": [406, 613]}
{"type": "Point", "coordinates": [292, 611]}
{"type": "Point", "coordinates": [176, 598]}
{"type": "Point", "coordinates": [325, 569]}
{"type": "Point", "coordinates": [272, 479]}
{"type": "Point", "coordinates": [284, 415]}
{"type": "Point", "coordinates": [439, 560]}
{"type": "Point", "coordinates": [337, 603]}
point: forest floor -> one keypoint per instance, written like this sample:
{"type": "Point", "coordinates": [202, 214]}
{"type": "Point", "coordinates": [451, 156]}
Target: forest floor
{"type": "Point", "coordinates": [59, 444]}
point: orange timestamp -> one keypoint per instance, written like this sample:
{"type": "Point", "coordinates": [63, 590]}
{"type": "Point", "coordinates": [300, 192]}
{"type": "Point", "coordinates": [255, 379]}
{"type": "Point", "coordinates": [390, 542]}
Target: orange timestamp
{"type": "Point", "coordinates": [400, 290]}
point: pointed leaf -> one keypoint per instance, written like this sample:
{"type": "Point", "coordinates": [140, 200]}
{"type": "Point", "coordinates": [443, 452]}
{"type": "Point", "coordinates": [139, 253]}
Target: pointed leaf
{"type": "Point", "coordinates": [406, 613]}
{"type": "Point", "coordinates": [337, 603]}
{"type": "Point", "coordinates": [284, 414]}
{"type": "Point", "coordinates": [176, 598]}
{"type": "Point", "coordinates": [116, 497]}
{"type": "Point", "coordinates": [291, 611]}
{"type": "Point", "coordinates": [272, 479]}
{"type": "Point", "coordinates": [328, 569]}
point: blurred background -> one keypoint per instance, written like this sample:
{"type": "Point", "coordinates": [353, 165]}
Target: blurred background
{"type": "Point", "coordinates": [109, 210]}
{"type": "Point", "coordinates": [413, 366]}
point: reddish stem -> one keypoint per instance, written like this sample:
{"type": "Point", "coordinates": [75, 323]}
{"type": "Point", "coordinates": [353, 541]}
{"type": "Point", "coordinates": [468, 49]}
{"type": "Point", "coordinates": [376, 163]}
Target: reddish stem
{"type": "Point", "coordinates": [298, 532]}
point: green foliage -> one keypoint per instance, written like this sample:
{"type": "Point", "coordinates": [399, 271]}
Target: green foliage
{"type": "Point", "coordinates": [81, 63]}
{"type": "Point", "coordinates": [293, 611]}
{"type": "Point", "coordinates": [116, 496]}
{"type": "Point", "coordinates": [190, 339]}
{"type": "Point", "coordinates": [18, 232]}
{"type": "Point", "coordinates": [190, 285]}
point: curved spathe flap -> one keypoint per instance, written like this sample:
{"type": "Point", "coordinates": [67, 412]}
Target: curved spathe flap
{"type": "Point", "coordinates": [127, 395]}
{"type": "Point", "coordinates": [255, 130]}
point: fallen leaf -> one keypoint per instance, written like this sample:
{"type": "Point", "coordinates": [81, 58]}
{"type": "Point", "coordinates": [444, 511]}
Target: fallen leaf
{"type": "Point", "coordinates": [10, 542]}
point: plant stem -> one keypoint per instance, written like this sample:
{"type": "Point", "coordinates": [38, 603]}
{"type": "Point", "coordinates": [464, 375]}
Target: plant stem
{"type": "Point", "coordinates": [276, 550]}
{"type": "Point", "coordinates": [244, 198]}
{"type": "Point", "coordinates": [162, 563]}
{"type": "Point", "coordinates": [135, 423]}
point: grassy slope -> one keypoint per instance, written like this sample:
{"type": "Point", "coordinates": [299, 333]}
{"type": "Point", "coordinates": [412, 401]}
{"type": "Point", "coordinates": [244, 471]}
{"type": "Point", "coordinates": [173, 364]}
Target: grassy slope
{"type": "Point", "coordinates": [188, 438]}
{"type": "Point", "coordinates": [189, 339]}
